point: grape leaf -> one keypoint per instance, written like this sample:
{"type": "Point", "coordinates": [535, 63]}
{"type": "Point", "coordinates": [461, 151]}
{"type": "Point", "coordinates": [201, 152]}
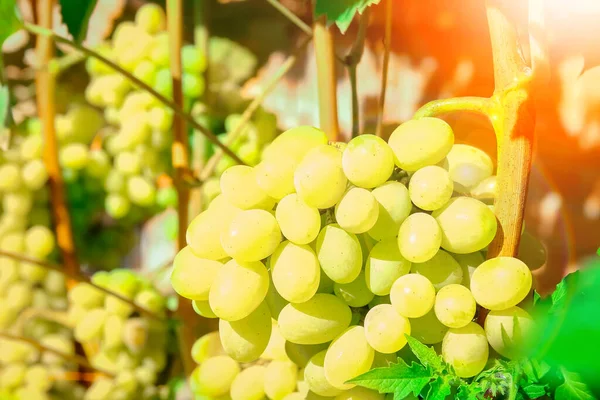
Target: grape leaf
{"type": "Point", "coordinates": [573, 388]}
{"type": "Point", "coordinates": [76, 15]}
{"type": "Point", "coordinates": [534, 391]}
{"type": "Point", "coordinates": [469, 392]}
{"type": "Point", "coordinates": [400, 379]}
{"type": "Point", "coordinates": [341, 12]}
{"type": "Point", "coordinates": [534, 370]}
{"type": "Point", "coordinates": [439, 389]}
{"type": "Point", "coordinates": [426, 355]}
{"type": "Point", "coordinates": [559, 296]}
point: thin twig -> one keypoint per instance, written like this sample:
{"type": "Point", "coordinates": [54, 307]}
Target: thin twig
{"type": "Point", "coordinates": [79, 278]}
{"type": "Point", "coordinates": [387, 43]}
{"type": "Point", "coordinates": [291, 16]}
{"type": "Point", "coordinates": [75, 358]}
{"type": "Point", "coordinates": [60, 317]}
{"type": "Point", "coordinates": [252, 107]}
{"type": "Point", "coordinates": [38, 30]}
{"type": "Point", "coordinates": [480, 105]}
{"type": "Point", "coordinates": [352, 59]}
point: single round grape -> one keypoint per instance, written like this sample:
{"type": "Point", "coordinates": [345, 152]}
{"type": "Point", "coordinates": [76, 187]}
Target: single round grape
{"type": "Point", "coordinates": [246, 339]}
{"type": "Point", "coordinates": [501, 283]}
{"type": "Point", "coordinates": [532, 251]}
{"type": "Point", "coordinates": [467, 224]}
{"type": "Point", "coordinates": [193, 86]}
{"type": "Point", "coordinates": [348, 356]}
{"type": "Point", "coordinates": [207, 346]}
{"type": "Point", "coordinates": [252, 235]}
{"type": "Point", "coordinates": [384, 265]}
{"type": "Point", "coordinates": [90, 326]}
{"type": "Point", "coordinates": [113, 332]}
{"type": "Point", "coordinates": [361, 393]}
{"type": "Point", "coordinates": [140, 191]}
{"type": "Point", "coordinates": [215, 375]}
{"type": "Point", "coordinates": [128, 163]}
{"type": "Point", "coordinates": [280, 379]}
{"type": "Point", "coordinates": [275, 302]}
{"type": "Point", "coordinates": [74, 156]}
{"type": "Point", "coordinates": [32, 147]}
{"type": "Point", "coordinates": [394, 207]}
{"type": "Point", "coordinates": [193, 276]}
{"type": "Point", "coordinates": [275, 175]}
{"type": "Point", "coordinates": [39, 241]}
{"type": "Point", "coordinates": [249, 384]}
{"type": "Point", "coordinates": [412, 295]}
{"type": "Point", "coordinates": [339, 254]}
{"type": "Point", "coordinates": [468, 166]}
{"type": "Point", "coordinates": [192, 60]}
{"type": "Point", "coordinates": [17, 203]}
{"type": "Point", "coordinates": [355, 293]}
{"type": "Point", "coordinates": [486, 189]}
{"type": "Point", "coordinates": [385, 329]}
{"type": "Point", "coordinates": [237, 289]}
{"type": "Point", "coordinates": [469, 263]}
{"type": "Point", "coordinates": [11, 178]}
{"type": "Point", "coordinates": [204, 232]}
{"type": "Point", "coordinates": [455, 306]}
{"type": "Point", "coordinates": [368, 161]}
{"type": "Point", "coordinates": [276, 347]}
{"type": "Point", "coordinates": [507, 329]}
{"type": "Point", "coordinates": [315, 321]}
{"type": "Point", "coordinates": [296, 142]}
{"type": "Point", "coordinates": [300, 354]}
{"type": "Point", "coordinates": [421, 142]}
{"type": "Point", "coordinates": [34, 174]}
{"type": "Point", "coordinates": [202, 308]}
{"type": "Point", "coordinates": [430, 188]}
{"type": "Point", "coordinates": [357, 210]}
{"type": "Point", "coordinates": [441, 270]}
{"type": "Point", "coordinates": [428, 329]}
{"type": "Point", "coordinates": [239, 187]}
{"type": "Point", "coordinates": [295, 272]}
{"type": "Point", "coordinates": [419, 238]}
{"type": "Point", "coordinates": [299, 222]}
{"type": "Point", "coordinates": [314, 376]}
{"type": "Point", "coordinates": [116, 205]}
{"type": "Point", "coordinates": [466, 349]}
{"type": "Point", "coordinates": [319, 179]}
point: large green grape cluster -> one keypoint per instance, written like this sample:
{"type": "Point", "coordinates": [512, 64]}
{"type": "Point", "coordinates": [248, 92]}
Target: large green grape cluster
{"type": "Point", "coordinates": [116, 338]}
{"type": "Point", "coordinates": [342, 250]}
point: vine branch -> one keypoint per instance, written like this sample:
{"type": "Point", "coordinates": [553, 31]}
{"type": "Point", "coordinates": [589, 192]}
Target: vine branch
{"type": "Point", "coordinates": [352, 59]}
{"type": "Point", "coordinates": [387, 42]}
{"type": "Point", "coordinates": [291, 16]}
{"type": "Point", "coordinates": [480, 105]}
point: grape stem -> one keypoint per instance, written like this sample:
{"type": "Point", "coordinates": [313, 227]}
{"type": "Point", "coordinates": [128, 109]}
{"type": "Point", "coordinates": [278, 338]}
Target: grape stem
{"type": "Point", "coordinates": [291, 16]}
{"type": "Point", "coordinates": [387, 42]}
{"type": "Point", "coordinates": [60, 317]}
{"type": "Point", "coordinates": [79, 278]}
{"type": "Point", "coordinates": [48, 33]}
{"type": "Point", "coordinates": [352, 59]}
{"type": "Point", "coordinates": [75, 358]}
{"type": "Point", "coordinates": [480, 105]}
{"type": "Point", "coordinates": [45, 92]}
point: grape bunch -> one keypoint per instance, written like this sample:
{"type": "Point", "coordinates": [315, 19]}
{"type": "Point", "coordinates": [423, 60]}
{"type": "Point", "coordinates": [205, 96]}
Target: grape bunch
{"type": "Point", "coordinates": [116, 338]}
{"type": "Point", "coordinates": [348, 248]}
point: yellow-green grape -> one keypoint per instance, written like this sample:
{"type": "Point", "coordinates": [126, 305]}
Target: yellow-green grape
{"type": "Point", "coordinates": [249, 384]}
{"type": "Point", "coordinates": [486, 189]}
{"type": "Point", "coordinates": [295, 272]}
{"type": "Point", "coordinates": [246, 339]}
{"type": "Point", "coordinates": [275, 175]}
{"type": "Point", "coordinates": [117, 206]}
{"type": "Point", "coordinates": [357, 211]}
{"type": "Point", "coordinates": [355, 293]}
{"type": "Point", "coordinates": [319, 179]}
{"type": "Point", "coordinates": [128, 163]}
{"type": "Point", "coordinates": [455, 306]}
{"type": "Point", "coordinates": [468, 166]}
{"type": "Point", "coordinates": [368, 161]}
{"type": "Point", "coordinates": [300, 354]}
{"type": "Point", "coordinates": [100, 389]}
{"type": "Point", "coordinates": [430, 188]}
{"type": "Point", "coordinates": [140, 191]}
{"type": "Point", "coordinates": [215, 375]}
{"type": "Point", "coordinates": [17, 203]}
{"type": "Point", "coordinates": [240, 189]}
{"type": "Point", "coordinates": [39, 241]}
{"type": "Point", "coordinates": [280, 379]}
{"type": "Point", "coordinates": [275, 302]}
{"type": "Point", "coordinates": [203, 235]}
{"type": "Point", "coordinates": [135, 334]}
{"type": "Point", "coordinates": [31, 148]}
{"type": "Point", "coordinates": [466, 349]}
{"type": "Point", "coordinates": [295, 396]}
{"type": "Point", "coordinates": [507, 329]}
{"type": "Point", "coordinates": [394, 208]}
{"type": "Point", "coordinates": [192, 59]}
{"type": "Point", "coordinates": [202, 308]}
{"type": "Point", "coordinates": [377, 300]}
{"type": "Point", "coordinates": [19, 295]}
{"type": "Point", "coordinates": [421, 142]}
{"type": "Point", "coordinates": [314, 376]}
{"type": "Point", "coordinates": [113, 331]}
{"type": "Point", "coordinates": [383, 360]}
{"type": "Point", "coordinates": [441, 270]}
{"type": "Point", "coordinates": [192, 276]}
{"type": "Point", "coordinates": [412, 295]}
{"type": "Point", "coordinates": [419, 237]}
{"type": "Point", "coordinates": [315, 321]}
{"type": "Point", "coordinates": [467, 224]}
{"type": "Point", "coordinates": [98, 165]}
{"type": "Point", "coordinates": [298, 222]}
{"type": "Point", "coordinates": [74, 156]}
{"type": "Point", "coordinates": [532, 251]}
{"type": "Point", "coordinates": [11, 177]}
{"type": "Point", "coordinates": [38, 376]}
{"type": "Point", "coordinates": [34, 174]}
{"type": "Point", "coordinates": [348, 356]}
{"type": "Point", "coordinates": [276, 347]}
{"type": "Point", "coordinates": [296, 142]}
{"type": "Point", "coordinates": [90, 326]}
{"type": "Point", "coordinates": [12, 376]}
{"type": "Point", "coordinates": [339, 254]}
{"type": "Point", "coordinates": [238, 288]}
{"type": "Point", "coordinates": [360, 393]}
{"type": "Point", "coordinates": [86, 296]}
{"type": "Point", "coordinates": [507, 273]}
{"type": "Point", "coordinates": [469, 263]}
{"type": "Point", "coordinates": [252, 235]}
{"type": "Point", "coordinates": [385, 329]}
{"type": "Point", "coordinates": [384, 265]}
{"type": "Point", "coordinates": [207, 346]}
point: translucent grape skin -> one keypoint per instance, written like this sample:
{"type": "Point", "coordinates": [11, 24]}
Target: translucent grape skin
{"type": "Point", "coordinates": [368, 161]}
{"type": "Point", "coordinates": [252, 235]}
{"type": "Point", "coordinates": [237, 289]}
{"type": "Point", "coordinates": [441, 270]}
{"type": "Point", "coordinates": [348, 356]}
{"type": "Point", "coordinates": [240, 189]}
{"type": "Point", "coordinates": [204, 232]}
{"type": "Point", "coordinates": [280, 379]}
{"type": "Point", "coordinates": [455, 306]}
{"type": "Point", "coordinates": [508, 273]}
{"type": "Point", "coordinates": [469, 263]}
{"type": "Point", "coordinates": [466, 349]}
{"type": "Point", "coordinates": [214, 376]}
{"type": "Point", "coordinates": [430, 188]}
{"type": "Point", "coordinates": [384, 265]}
{"type": "Point", "coordinates": [246, 339]}
{"type": "Point", "coordinates": [468, 166]}
{"type": "Point", "coordinates": [339, 254]}
{"type": "Point", "coordinates": [355, 293]}
{"type": "Point", "coordinates": [296, 142]}
{"type": "Point", "coordinates": [314, 375]}
{"type": "Point", "coordinates": [295, 272]}
{"type": "Point", "coordinates": [428, 329]}
{"type": "Point", "coordinates": [421, 142]}
{"type": "Point", "coordinates": [385, 329]}
{"type": "Point", "coordinates": [192, 276]}
{"type": "Point", "coordinates": [319, 320]}
{"type": "Point", "coordinates": [203, 309]}
{"type": "Point", "coordinates": [249, 384]}
{"type": "Point", "coordinates": [394, 207]}
{"type": "Point", "coordinates": [507, 343]}
{"type": "Point", "coordinates": [276, 175]}
{"type": "Point", "coordinates": [419, 237]}
{"type": "Point", "coordinates": [298, 222]}
{"type": "Point", "coordinates": [357, 210]}
{"type": "Point", "coordinates": [207, 346]}
{"type": "Point", "coordinates": [412, 295]}
{"type": "Point", "coordinates": [300, 354]}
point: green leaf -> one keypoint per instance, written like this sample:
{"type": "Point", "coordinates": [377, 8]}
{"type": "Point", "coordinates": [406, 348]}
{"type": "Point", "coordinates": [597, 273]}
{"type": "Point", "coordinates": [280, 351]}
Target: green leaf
{"type": "Point", "coordinates": [341, 12]}
{"type": "Point", "coordinates": [400, 379]}
{"type": "Point", "coordinates": [559, 296]}
{"type": "Point", "coordinates": [439, 389]}
{"type": "Point", "coordinates": [534, 391]}
{"type": "Point", "coordinates": [10, 19]}
{"type": "Point", "coordinates": [469, 392]}
{"type": "Point", "coordinates": [573, 388]}
{"type": "Point", "coordinates": [175, 384]}
{"type": "Point", "coordinates": [426, 355]}
{"type": "Point", "coordinates": [534, 370]}
{"type": "Point", "coordinates": [536, 297]}
{"type": "Point", "coordinates": [5, 115]}
{"type": "Point", "coordinates": [76, 15]}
